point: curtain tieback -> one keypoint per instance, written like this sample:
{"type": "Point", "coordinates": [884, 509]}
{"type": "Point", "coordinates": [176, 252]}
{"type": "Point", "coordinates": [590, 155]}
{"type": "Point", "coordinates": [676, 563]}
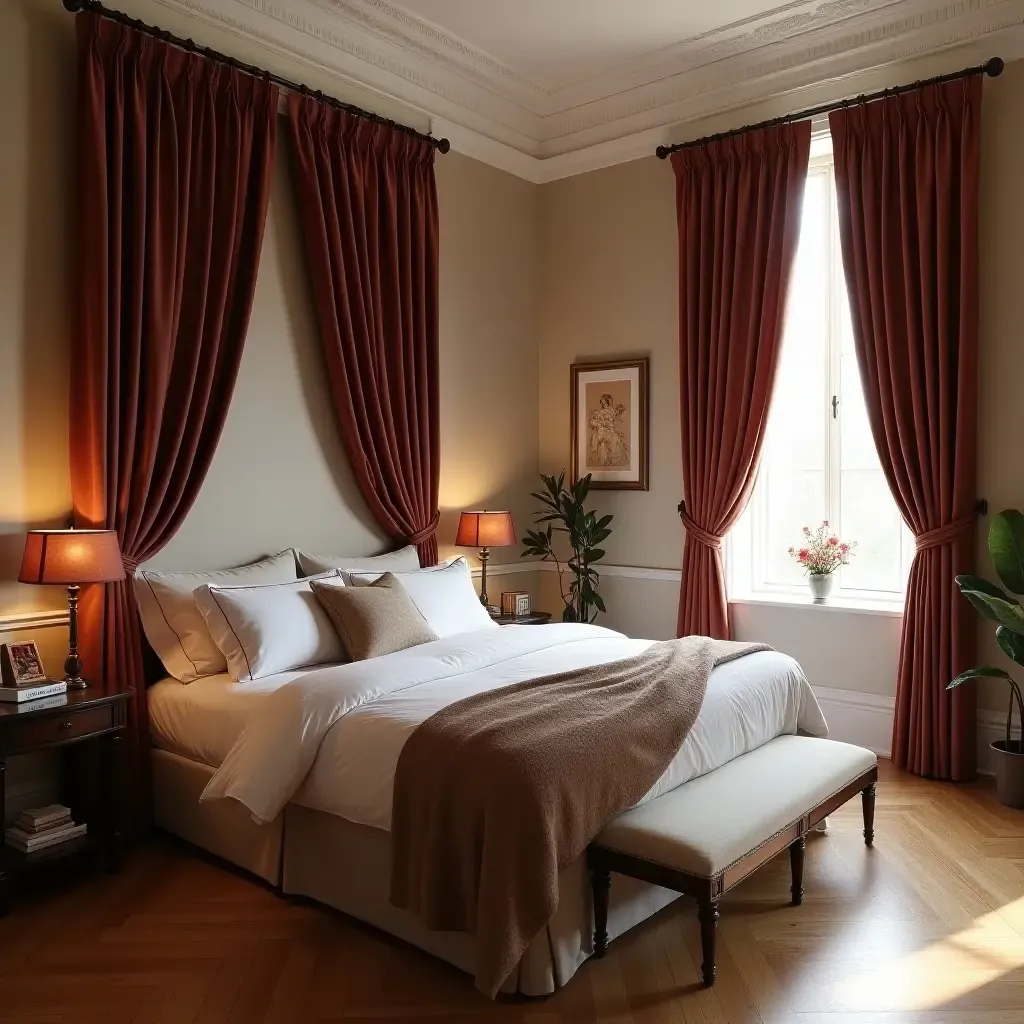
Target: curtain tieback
{"type": "Point", "coordinates": [698, 533]}
{"type": "Point", "coordinates": [426, 533]}
{"type": "Point", "coordinates": [130, 564]}
{"type": "Point", "coordinates": [944, 534]}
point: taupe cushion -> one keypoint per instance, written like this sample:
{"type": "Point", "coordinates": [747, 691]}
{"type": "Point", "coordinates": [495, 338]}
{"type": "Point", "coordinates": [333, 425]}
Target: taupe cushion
{"type": "Point", "coordinates": [708, 824]}
{"type": "Point", "coordinates": [374, 620]}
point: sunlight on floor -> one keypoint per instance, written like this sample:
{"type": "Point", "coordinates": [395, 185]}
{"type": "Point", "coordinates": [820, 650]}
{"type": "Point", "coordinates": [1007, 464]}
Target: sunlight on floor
{"type": "Point", "coordinates": [945, 970]}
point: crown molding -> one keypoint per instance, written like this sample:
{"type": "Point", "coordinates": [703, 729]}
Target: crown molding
{"type": "Point", "coordinates": [542, 131]}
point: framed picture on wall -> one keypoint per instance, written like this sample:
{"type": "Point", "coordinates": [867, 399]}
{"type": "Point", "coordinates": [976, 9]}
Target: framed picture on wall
{"type": "Point", "coordinates": [610, 424]}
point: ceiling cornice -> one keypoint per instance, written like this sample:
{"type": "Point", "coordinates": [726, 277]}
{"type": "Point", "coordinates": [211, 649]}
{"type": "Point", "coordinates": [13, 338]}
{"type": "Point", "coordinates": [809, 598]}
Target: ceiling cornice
{"type": "Point", "coordinates": [543, 130]}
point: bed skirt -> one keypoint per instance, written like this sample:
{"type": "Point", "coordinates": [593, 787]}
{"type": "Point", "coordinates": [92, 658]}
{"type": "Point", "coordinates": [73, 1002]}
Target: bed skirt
{"type": "Point", "coordinates": [347, 866]}
{"type": "Point", "coordinates": [222, 827]}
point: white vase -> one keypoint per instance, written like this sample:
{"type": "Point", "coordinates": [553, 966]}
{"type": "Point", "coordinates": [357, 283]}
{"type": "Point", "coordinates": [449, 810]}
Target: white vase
{"type": "Point", "coordinates": [821, 585]}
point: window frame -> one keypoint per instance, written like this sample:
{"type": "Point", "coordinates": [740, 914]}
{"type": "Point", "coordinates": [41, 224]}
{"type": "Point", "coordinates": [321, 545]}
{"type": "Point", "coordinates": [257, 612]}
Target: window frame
{"type": "Point", "coordinates": [746, 547]}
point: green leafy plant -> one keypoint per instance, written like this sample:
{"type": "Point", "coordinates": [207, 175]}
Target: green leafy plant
{"type": "Point", "coordinates": [1006, 547]}
{"type": "Point", "coordinates": [564, 511]}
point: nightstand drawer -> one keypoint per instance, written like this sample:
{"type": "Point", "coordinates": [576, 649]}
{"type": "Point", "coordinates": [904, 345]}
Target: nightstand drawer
{"type": "Point", "coordinates": [58, 728]}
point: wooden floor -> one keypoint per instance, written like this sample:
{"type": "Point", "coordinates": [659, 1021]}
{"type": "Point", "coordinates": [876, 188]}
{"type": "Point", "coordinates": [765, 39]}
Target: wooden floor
{"type": "Point", "coordinates": [926, 927]}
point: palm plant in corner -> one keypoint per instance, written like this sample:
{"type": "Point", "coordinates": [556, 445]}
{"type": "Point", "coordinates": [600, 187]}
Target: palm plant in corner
{"type": "Point", "coordinates": [564, 510]}
{"type": "Point", "coordinates": [1006, 546]}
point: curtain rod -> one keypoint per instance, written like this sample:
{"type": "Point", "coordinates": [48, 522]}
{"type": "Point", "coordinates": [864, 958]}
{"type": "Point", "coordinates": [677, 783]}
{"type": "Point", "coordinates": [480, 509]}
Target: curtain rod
{"type": "Point", "coordinates": [992, 67]}
{"type": "Point", "coordinates": [189, 45]}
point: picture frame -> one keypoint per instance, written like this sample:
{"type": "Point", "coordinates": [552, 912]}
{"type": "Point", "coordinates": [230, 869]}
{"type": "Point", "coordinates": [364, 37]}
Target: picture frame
{"type": "Point", "coordinates": [20, 664]}
{"type": "Point", "coordinates": [610, 415]}
{"type": "Point", "coordinates": [515, 602]}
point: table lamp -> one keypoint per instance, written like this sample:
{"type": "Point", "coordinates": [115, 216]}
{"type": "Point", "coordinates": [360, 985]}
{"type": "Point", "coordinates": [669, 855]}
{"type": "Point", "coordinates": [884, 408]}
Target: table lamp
{"type": "Point", "coordinates": [70, 558]}
{"type": "Point", "coordinates": [485, 530]}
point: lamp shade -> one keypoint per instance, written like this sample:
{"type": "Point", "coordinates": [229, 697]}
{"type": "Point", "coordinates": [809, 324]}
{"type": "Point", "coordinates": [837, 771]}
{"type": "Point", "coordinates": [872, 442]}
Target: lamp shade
{"type": "Point", "coordinates": [485, 530]}
{"type": "Point", "coordinates": [70, 557]}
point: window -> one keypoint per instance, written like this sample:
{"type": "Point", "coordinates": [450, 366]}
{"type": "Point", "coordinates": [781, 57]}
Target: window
{"type": "Point", "coordinates": [819, 460]}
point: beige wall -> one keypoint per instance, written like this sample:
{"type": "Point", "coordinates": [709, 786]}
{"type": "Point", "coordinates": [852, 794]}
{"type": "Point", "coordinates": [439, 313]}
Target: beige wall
{"type": "Point", "coordinates": [37, 126]}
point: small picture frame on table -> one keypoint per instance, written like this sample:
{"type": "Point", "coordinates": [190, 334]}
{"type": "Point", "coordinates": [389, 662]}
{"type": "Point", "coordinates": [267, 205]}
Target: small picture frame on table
{"type": "Point", "coordinates": [610, 424]}
{"type": "Point", "coordinates": [20, 664]}
{"type": "Point", "coordinates": [515, 602]}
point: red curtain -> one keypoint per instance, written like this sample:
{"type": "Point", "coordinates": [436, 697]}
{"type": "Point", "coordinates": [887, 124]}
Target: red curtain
{"type": "Point", "coordinates": [174, 163]}
{"type": "Point", "coordinates": [738, 204]}
{"type": "Point", "coordinates": [369, 210]}
{"type": "Point", "coordinates": [907, 177]}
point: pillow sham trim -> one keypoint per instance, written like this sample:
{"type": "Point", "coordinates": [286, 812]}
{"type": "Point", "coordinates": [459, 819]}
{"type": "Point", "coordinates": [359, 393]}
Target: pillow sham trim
{"type": "Point", "coordinates": [163, 615]}
{"type": "Point", "coordinates": [231, 626]}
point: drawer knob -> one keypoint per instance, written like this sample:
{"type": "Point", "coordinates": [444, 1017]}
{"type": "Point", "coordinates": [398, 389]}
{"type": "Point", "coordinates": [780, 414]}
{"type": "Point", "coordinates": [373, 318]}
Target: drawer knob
{"type": "Point", "coordinates": [65, 725]}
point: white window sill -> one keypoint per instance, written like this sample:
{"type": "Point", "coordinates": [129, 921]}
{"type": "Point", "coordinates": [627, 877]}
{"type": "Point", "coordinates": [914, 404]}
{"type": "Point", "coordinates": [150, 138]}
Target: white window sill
{"type": "Point", "coordinates": [857, 605]}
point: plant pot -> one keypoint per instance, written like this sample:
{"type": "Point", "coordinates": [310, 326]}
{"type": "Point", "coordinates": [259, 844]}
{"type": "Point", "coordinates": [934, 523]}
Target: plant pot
{"type": "Point", "coordinates": [821, 585]}
{"type": "Point", "coordinates": [1009, 772]}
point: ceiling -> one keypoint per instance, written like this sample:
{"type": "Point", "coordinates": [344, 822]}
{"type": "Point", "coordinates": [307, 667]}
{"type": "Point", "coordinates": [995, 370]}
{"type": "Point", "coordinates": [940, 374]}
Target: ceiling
{"type": "Point", "coordinates": [554, 43]}
{"type": "Point", "coordinates": [545, 88]}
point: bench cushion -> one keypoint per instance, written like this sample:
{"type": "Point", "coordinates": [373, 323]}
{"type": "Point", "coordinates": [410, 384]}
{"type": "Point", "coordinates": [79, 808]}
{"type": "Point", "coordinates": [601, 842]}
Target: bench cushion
{"type": "Point", "coordinates": [708, 824]}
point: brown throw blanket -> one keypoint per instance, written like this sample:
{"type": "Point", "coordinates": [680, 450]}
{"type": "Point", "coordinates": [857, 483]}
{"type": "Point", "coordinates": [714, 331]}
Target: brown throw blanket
{"type": "Point", "coordinates": [495, 794]}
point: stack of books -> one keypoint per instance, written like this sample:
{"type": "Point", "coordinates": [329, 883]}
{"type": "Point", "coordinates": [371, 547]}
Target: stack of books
{"type": "Point", "coordinates": [40, 827]}
{"type": "Point", "coordinates": [33, 691]}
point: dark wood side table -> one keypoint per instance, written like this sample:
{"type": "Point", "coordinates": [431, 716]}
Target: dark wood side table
{"type": "Point", "coordinates": [80, 716]}
{"type": "Point", "coordinates": [533, 619]}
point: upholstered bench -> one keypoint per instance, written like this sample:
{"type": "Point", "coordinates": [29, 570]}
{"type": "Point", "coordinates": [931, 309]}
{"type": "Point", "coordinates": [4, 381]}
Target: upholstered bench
{"type": "Point", "coordinates": [703, 838]}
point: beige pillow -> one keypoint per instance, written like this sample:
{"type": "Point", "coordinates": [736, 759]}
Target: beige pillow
{"type": "Point", "coordinates": [375, 620]}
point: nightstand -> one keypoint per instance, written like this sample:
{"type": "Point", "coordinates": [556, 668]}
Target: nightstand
{"type": "Point", "coordinates": [80, 716]}
{"type": "Point", "coordinates": [533, 619]}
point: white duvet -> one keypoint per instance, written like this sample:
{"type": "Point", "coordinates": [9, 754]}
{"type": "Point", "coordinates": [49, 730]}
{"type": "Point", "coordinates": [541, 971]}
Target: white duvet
{"type": "Point", "coordinates": [331, 738]}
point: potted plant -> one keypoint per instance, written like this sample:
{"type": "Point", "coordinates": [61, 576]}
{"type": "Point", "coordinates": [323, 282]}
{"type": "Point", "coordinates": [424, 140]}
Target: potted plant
{"type": "Point", "coordinates": [821, 553]}
{"type": "Point", "coordinates": [564, 511]}
{"type": "Point", "coordinates": [1006, 547]}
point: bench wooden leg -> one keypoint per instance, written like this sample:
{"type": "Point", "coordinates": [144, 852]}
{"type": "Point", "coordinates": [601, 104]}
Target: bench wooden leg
{"type": "Point", "coordinates": [601, 881]}
{"type": "Point", "coordinates": [796, 864]}
{"type": "Point", "coordinates": [707, 914]}
{"type": "Point", "coordinates": [867, 797]}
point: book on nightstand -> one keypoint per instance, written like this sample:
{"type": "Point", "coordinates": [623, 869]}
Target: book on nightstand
{"type": "Point", "coordinates": [33, 691]}
{"type": "Point", "coordinates": [41, 827]}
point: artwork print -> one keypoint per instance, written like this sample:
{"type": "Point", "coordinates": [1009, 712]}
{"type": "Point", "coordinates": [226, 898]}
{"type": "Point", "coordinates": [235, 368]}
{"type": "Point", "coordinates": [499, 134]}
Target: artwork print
{"type": "Point", "coordinates": [609, 420]}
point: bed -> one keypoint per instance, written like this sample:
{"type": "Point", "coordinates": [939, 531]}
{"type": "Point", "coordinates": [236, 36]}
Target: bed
{"type": "Point", "coordinates": [313, 755]}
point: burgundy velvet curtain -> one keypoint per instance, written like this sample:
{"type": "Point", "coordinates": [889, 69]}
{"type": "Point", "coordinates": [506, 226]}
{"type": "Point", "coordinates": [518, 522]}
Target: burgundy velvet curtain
{"type": "Point", "coordinates": [368, 204]}
{"type": "Point", "coordinates": [907, 177]}
{"type": "Point", "coordinates": [174, 162]}
{"type": "Point", "coordinates": [738, 204]}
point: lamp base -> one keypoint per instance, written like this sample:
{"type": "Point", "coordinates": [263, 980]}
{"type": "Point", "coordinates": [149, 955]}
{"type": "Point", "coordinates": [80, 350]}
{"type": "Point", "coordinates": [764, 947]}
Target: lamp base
{"type": "Point", "coordinates": [73, 662]}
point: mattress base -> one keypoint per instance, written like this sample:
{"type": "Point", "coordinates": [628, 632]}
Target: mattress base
{"type": "Point", "coordinates": [348, 867]}
{"type": "Point", "coordinates": [222, 827]}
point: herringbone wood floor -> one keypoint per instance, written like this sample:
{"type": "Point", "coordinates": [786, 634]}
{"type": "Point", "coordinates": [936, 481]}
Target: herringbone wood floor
{"type": "Point", "coordinates": [927, 927]}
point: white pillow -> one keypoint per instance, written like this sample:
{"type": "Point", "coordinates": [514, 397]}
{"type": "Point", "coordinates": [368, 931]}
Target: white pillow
{"type": "Point", "coordinates": [393, 561]}
{"type": "Point", "coordinates": [444, 595]}
{"type": "Point", "coordinates": [172, 623]}
{"type": "Point", "coordinates": [270, 629]}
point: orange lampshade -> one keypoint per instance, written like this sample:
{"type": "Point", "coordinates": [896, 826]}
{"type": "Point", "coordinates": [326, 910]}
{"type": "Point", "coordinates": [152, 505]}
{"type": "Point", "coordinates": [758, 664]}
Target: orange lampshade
{"type": "Point", "coordinates": [485, 530]}
{"type": "Point", "coordinates": [70, 557]}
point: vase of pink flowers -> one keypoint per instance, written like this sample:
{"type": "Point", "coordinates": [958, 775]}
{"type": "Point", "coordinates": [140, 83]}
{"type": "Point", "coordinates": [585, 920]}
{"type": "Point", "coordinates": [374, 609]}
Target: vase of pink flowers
{"type": "Point", "coordinates": [821, 553]}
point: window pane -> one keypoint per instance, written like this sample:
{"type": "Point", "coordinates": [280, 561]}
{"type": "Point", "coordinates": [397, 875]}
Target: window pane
{"type": "Point", "coordinates": [870, 517]}
{"type": "Point", "coordinates": [794, 499]}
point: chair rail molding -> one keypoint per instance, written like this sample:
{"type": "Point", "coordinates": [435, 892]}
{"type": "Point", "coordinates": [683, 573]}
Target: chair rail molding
{"type": "Point", "coordinates": [542, 129]}
{"type": "Point", "coordinates": [43, 619]}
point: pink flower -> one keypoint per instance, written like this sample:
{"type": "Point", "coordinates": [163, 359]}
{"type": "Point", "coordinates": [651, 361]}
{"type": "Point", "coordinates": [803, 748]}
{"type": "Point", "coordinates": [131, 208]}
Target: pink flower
{"type": "Point", "coordinates": [833, 541]}
{"type": "Point", "coordinates": [807, 531]}
{"type": "Point", "coordinates": [844, 548]}
{"type": "Point", "coordinates": [803, 554]}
